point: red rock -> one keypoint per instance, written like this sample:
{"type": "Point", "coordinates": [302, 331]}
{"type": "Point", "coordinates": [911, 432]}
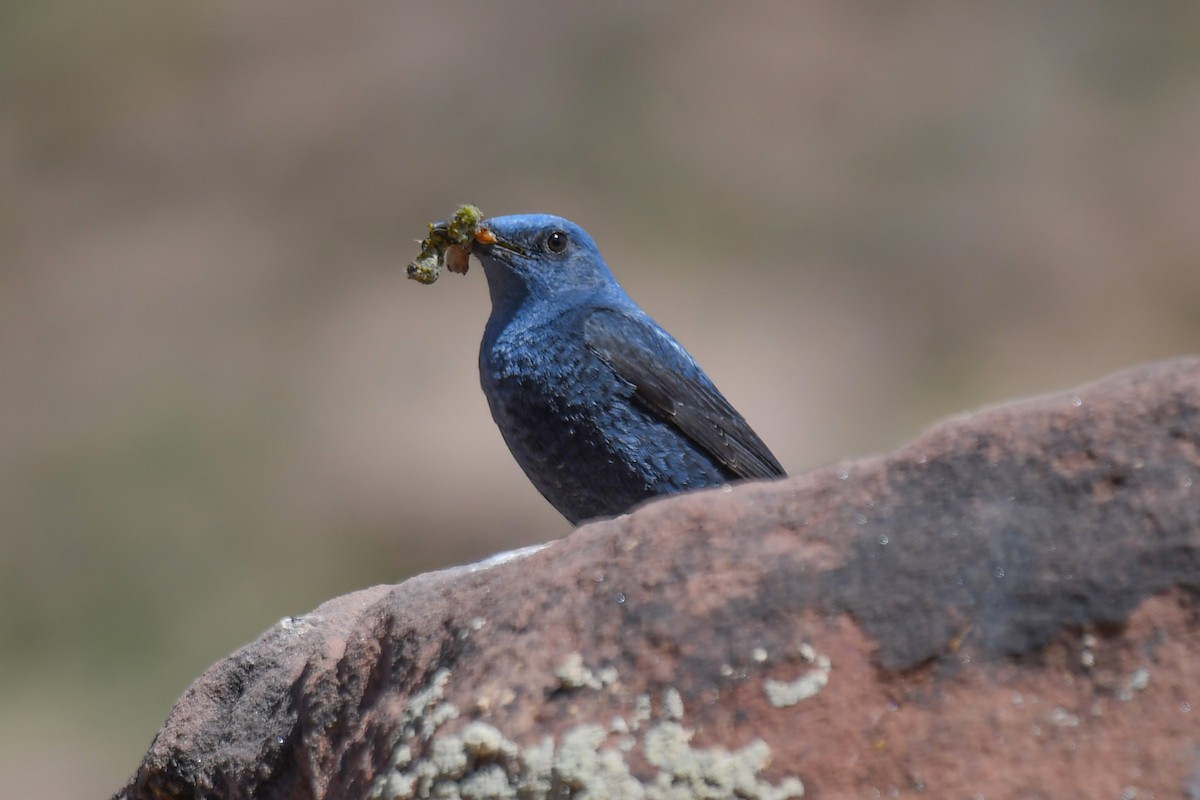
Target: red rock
{"type": "Point", "coordinates": [1005, 608]}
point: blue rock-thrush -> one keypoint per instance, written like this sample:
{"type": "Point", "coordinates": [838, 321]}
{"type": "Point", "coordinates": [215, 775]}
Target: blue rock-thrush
{"type": "Point", "coordinates": [599, 405]}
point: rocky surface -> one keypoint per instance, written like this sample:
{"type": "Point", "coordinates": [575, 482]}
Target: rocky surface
{"type": "Point", "coordinates": [1005, 608]}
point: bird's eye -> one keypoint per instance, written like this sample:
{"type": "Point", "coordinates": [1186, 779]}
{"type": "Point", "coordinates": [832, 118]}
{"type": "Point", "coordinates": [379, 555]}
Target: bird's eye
{"type": "Point", "coordinates": [557, 242]}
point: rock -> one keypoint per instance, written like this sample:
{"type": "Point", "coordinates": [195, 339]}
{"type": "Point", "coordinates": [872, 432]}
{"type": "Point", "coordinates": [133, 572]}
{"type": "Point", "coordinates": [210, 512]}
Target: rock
{"type": "Point", "coordinates": [1005, 608]}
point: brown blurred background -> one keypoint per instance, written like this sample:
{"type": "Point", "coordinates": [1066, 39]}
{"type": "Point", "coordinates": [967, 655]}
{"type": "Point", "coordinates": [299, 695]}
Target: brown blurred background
{"type": "Point", "coordinates": [223, 403]}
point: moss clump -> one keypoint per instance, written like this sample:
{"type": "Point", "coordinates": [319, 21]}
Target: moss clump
{"type": "Point", "coordinates": [449, 243]}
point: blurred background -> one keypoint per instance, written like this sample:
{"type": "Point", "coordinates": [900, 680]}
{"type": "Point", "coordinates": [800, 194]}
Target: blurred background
{"type": "Point", "coordinates": [222, 402]}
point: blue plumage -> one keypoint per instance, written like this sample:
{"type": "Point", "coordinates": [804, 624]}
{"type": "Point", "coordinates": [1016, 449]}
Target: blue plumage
{"type": "Point", "coordinates": [598, 404]}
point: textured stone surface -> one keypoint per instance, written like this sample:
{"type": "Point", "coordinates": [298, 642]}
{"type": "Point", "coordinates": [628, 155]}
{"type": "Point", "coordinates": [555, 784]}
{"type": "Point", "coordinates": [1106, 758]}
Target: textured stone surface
{"type": "Point", "coordinates": [1005, 608]}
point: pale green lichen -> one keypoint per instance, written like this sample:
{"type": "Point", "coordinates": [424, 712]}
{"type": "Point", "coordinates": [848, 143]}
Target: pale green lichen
{"type": "Point", "coordinates": [485, 741]}
{"type": "Point", "coordinates": [424, 713]}
{"type": "Point", "coordinates": [587, 762]}
{"type": "Point", "coordinates": [642, 711]}
{"type": "Point", "coordinates": [490, 781]}
{"type": "Point", "coordinates": [589, 771]}
{"type": "Point", "coordinates": [782, 694]}
{"type": "Point", "coordinates": [572, 674]}
{"type": "Point", "coordinates": [536, 772]}
{"type": "Point", "coordinates": [449, 756]}
{"type": "Point", "coordinates": [672, 704]}
{"type": "Point", "coordinates": [711, 774]}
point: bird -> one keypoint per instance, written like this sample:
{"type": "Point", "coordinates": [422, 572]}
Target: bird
{"type": "Point", "coordinates": [599, 405]}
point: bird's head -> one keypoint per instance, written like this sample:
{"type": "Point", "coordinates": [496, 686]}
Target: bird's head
{"type": "Point", "coordinates": [538, 256]}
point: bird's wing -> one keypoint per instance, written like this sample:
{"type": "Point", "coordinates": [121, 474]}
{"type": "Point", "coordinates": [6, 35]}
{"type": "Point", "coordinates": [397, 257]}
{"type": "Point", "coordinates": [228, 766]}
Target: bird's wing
{"type": "Point", "coordinates": [668, 381]}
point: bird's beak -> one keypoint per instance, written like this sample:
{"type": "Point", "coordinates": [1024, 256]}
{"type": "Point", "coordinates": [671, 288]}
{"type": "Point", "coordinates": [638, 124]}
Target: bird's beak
{"type": "Point", "coordinates": [486, 240]}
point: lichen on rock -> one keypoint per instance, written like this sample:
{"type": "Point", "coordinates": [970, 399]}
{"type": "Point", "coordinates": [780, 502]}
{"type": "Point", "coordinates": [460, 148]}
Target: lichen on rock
{"type": "Point", "coordinates": [587, 761]}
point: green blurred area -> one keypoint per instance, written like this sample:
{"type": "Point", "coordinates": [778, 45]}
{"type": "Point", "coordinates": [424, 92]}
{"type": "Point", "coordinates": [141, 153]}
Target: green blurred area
{"type": "Point", "coordinates": [223, 403]}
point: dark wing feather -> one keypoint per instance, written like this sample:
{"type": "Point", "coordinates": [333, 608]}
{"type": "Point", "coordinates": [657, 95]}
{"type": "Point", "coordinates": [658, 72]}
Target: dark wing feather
{"type": "Point", "coordinates": [668, 381]}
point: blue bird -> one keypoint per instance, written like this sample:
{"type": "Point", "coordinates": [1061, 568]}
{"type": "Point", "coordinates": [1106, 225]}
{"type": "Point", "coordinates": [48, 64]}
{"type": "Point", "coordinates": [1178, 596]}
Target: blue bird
{"type": "Point", "coordinates": [599, 405]}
